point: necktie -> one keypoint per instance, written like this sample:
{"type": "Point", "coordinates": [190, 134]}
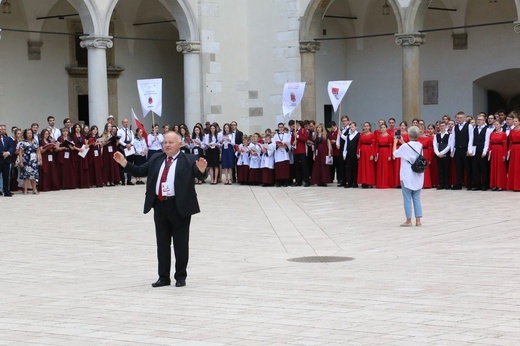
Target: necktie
{"type": "Point", "coordinates": [126, 135]}
{"type": "Point", "coordinates": [163, 177]}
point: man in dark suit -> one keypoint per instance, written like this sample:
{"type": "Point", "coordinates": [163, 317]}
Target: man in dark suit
{"type": "Point", "coordinates": [239, 137]}
{"type": "Point", "coordinates": [170, 190]}
{"type": "Point", "coordinates": [6, 153]}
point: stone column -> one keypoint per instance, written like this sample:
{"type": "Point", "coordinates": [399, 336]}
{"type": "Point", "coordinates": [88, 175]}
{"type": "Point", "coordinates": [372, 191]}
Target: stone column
{"type": "Point", "coordinates": [308, 51]}
{"type": "Point", "coordinates": [192, 92]}
{"type": "Point", "coordinates": [97, 77]}
{"type": "Point", "coordinates": [411, 74]}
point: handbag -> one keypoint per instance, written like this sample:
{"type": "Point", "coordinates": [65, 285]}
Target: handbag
{"type": "Point", "coordinates": [328, 160]}
{"type": "Point", "coordinates": [420, 163]}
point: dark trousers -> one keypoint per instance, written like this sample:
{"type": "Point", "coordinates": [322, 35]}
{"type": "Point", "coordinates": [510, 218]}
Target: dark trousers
{"type": "Point", "coordinates": [310, 162]}
{"type": "Point", "coordinates": [351, 169]}
{"type": "Point", "coordinates": [5, 168]}
{"type": "Point", "coordinates": [443, 165]}
{"type": "Point", "coordinates": [480, 170]}
{"type": "Point", "coordinates": [335, 168]}
{"type": "Point", "coordinates": [341, 170]}
{"type": "Point", "coordinates": [169, 224]}
{"type": "Point", "coordinates": [462, 164]}
{"type": "Point", "coordinates": [301, 171]}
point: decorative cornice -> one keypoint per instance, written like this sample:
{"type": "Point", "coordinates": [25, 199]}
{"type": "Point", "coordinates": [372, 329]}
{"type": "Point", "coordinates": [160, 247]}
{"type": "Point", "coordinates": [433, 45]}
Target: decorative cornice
{"type": "Point", "coordinates": [412, 39]}
{"type": "Point", "coordinates": [517, 27]}
{"type": "Point", "coordinates": [82, 72]}
{"type": "Point", "coordinates": [101, 42]}
{"type": "Point", "coordinates": [186, 47]}
{"type": "Point", "coordinates": [309, 46]}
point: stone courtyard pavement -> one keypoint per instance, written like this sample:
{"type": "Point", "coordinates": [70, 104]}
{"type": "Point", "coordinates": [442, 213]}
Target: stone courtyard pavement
{"type": "Point", "coordinates": [76, 268]}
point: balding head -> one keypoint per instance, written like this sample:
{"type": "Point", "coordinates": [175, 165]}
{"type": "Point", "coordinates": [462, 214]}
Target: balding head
{"type": "Point", "coordinates": [172, 143]}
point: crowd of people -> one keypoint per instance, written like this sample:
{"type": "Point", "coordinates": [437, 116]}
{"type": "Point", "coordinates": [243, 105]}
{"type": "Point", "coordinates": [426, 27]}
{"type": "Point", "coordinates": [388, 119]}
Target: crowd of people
{"type": "Point", "coordinates": [478, 153]}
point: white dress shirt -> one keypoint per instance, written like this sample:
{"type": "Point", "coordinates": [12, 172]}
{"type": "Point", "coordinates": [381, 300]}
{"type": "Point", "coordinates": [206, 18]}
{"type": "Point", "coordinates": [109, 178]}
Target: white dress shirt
{"type": "Point", "coordinates": [170, 178]}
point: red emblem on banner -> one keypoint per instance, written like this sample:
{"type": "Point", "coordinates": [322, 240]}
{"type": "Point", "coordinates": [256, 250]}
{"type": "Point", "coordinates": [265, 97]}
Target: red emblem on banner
{"type": "Point", "coordinates": [150, 100]}
{"type": "Point", "coordinates": [335, 92]}
{"type": "Point", "coordinates": [293, 97]}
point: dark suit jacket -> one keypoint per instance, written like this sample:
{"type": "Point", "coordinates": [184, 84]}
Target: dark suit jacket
{"type": "Point", "coordinates": [185, 172]}
{"type": "Point", "coordinates": [9, 147]}
{"type": "Point", "coordinates": [239, 137]}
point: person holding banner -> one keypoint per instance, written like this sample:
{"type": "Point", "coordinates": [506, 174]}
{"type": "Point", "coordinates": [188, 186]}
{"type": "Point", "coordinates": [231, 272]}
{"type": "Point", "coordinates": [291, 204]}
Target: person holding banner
{"type": "Point", "coordinates": [299, 142]}
{"type": "Point", "coordinates": [126, 146]}
{"type": "Point", "coordinates": [155, 140]}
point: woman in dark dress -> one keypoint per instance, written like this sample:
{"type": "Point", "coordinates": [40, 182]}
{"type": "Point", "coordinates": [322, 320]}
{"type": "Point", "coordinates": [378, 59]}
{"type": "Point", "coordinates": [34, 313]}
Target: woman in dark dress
{"type": "Point", "coordinates": [67, 175]}
{"type": "Point", "coordinates": [227, 143]}
{"type": "Point", "coordinates": [80, 162]}
{"type": "Point", "coordinates": [48, 169]}
{"type": "Point", "coordinates": [185, 139]}
{"type": "Point", "coordinates": [322, 148]}
{"type": "Point", "coordinates": [111, 174]}
{"type": "Point", "coordinates": [94, 157]}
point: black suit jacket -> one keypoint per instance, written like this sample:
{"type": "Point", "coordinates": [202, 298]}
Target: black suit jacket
{"type": "Point", "coordinates": [185, 173]}
{"type": "Point", "coordinates": [9, 147]}
{"type": "Point", "coordinates": [239, 137]}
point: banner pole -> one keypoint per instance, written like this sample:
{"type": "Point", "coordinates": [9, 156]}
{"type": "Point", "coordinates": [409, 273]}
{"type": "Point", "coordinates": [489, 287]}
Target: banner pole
{"type": "Point", "coordinates": [153, 120]}
{"type": "Point", "coordinates": [339, 116]}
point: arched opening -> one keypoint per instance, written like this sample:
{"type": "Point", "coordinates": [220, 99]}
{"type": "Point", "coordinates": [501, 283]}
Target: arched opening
{"type": "Point", "coordinates": [498, 90]}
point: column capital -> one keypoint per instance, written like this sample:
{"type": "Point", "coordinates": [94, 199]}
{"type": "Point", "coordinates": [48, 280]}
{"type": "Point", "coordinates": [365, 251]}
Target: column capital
{"type": "Point", "coordinates": [186, 47]}
{"type": "Point", "coordinates": [410, 39]}
{"type": "Point", "coordinates": [517, 26]}
{"type": "Point", "coordinates": [309, 46]}
{"type": "Point", "coordinates": [102, 42]}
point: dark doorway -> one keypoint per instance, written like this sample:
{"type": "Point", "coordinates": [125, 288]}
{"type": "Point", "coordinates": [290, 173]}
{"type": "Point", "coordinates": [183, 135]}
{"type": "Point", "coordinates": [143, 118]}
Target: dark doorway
{"type": "Point", "coordinates": [83, 109]}
{"type": "Point", "coordinates": [328, 111]}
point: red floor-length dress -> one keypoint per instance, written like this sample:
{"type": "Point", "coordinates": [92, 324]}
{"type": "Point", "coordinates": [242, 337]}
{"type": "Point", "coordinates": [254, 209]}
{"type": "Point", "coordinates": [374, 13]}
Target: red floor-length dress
{"type": "Point", "coordinates": [397, 161]}
{"type": "Point", "coordinates": [66, 169]}
{"type": "Point", "coordinates": [498, 150]}
{"type": "Point", "coordinates": [95, 162]}
{"type": "Point", "coordinates": [111, 173]}
{"type": "Point", "coordinates": [49, 177]}
{"type": "Point", "coordinates": [366, 168]}
{"type": "Point", "coordinates": [428, 153]}
{"type": "Point", "coordinates": [513, 174]}
{"type": "Point", "coordinates": [320, 171]}
{"type": "Point", "coordinates": [384, 164]}
{"type": "Point", "coordinates": [80, 164]}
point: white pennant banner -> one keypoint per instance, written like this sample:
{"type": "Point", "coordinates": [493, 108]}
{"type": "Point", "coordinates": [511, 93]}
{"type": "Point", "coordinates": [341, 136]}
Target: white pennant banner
{"type": "Point", "coordinates": [292, 96]}
{"type": "Point", "coordinates": [150, 95]}
{"type": "Point", "coordinates": [337, 90]}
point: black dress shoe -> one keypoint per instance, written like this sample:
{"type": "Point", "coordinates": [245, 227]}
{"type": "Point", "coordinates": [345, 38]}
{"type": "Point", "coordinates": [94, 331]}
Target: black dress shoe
{"type": "Point", "coordinates": [130, 183]}
{"type": "Point", "coordinates": [296, 184]}
{"type": "Point", "coordinates": [123, 183]}
{"type": "Point", "coordinates": [1, 193]}
{"type": "Point", "coordinates": [180, 283]}
{"type": "Point", "coordinates": [456, 188]}
{"type": "Point", "coordinates": [8, 194]}
{"type": "Point", "coordinates": [161, 283]}
{"type": "Point", "coordinates": [307, 185]}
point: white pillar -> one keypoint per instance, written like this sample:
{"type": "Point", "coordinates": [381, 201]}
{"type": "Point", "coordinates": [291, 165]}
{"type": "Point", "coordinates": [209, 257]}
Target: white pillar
{"type": "Point", "coordinates": [411, 74]}
{"type": "Point", "coordinates": [192, 92]}
{"type": "Point", "coordinates": [308, 51]}
{"type": "Point", "coordinates": [97, 77]}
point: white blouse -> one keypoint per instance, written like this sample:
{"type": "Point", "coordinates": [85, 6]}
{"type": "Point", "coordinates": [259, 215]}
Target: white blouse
{"type": "Point", "coordinates": [410, 179]}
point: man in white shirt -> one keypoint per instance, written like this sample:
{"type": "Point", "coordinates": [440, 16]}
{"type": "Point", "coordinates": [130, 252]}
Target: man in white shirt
{"type": "Point", "coordinates": [478, 152]}
{"type": "Point", "coordinates": [442, 146]}
{"type": "Point", "coordinates": [35, 128]}
{"type": "Point", "coordinates": [126, 146]}
{"type": "Point", "coordinates": [54, 132]}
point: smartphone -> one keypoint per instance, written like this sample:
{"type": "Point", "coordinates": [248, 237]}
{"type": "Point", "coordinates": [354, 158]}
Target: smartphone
{"type": "Point", "coordinates": [397, 134]}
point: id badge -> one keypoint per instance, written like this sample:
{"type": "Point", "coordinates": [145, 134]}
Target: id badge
{"type": "Point", "coordinates": [196, 151]}
{"type": "Point", "coordinates": [165, 189]}
{"type": "Point", "coordinates": [33, 157]}
{"type": "Point", "coordinates": [49, 158]}
{"type": "Point", "coordinates": [96, 153]}
{"type": "Point", "coordinates": [110, 149]}
{"type": "Point", "coordinates": [225, 145]}
{"type": "Point", "coordinates": [67, 155]}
